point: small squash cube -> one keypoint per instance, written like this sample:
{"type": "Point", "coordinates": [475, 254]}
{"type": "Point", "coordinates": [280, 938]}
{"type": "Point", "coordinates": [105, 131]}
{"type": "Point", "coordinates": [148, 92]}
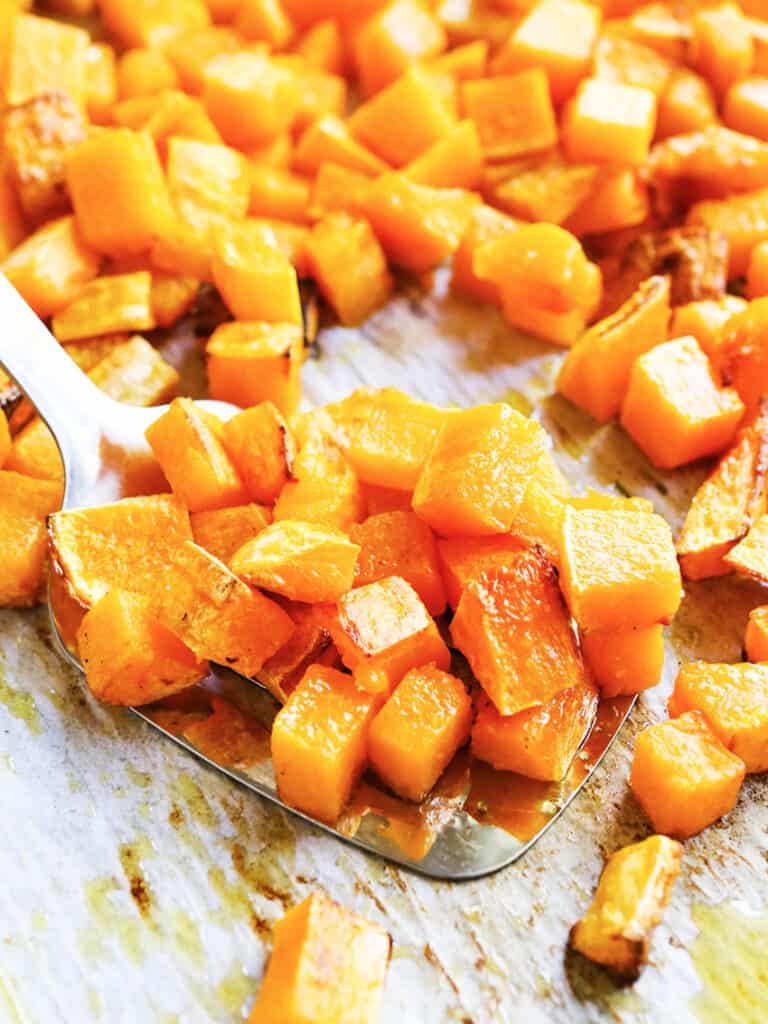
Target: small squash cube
{"type": "Point", "coordinates": [327, 965]}
{"type": "Point", "coordinates": [250, 98]}
{"type": "Point", "coordinates": [322, 47]}
{"type": "Point", "coordinates": [24, 504]}
{"type": "Point", "coordinates": [742, 219]}
{"type": "Point", "coordinates": [401, 32]}
{"type": "Point", "coordinates": [513, 113]}
{"type": "Point", "coordinates": [44, 56]}
{"type": "Point", "coordinates": [512, 626]}
{"type": "Point", "coordinates": [704, 320]}
{"type": "Point", "coordinates": [742, 353]}
{"type": "Point", "coordinates": [152, 23]}
{"type": "Point", "coordinates": [190, 51]}
{"type": "Point", "coordinates": [540, 742]}
{"type": "Point", "coordinates": [383, 631]}
{"type": "Point", "coordinates": [187, 444]}
{"type": "Point", "coordinates": [251, 363]}
{"type": "Point", "coordinates": [107, 305]}
{"type": "Point", "coordinates": [207, 175]}
{"type": "Point", "coordinates": [625, 661]}
{"type": "Point", "coordinates": [135, 373]}
{"type": "Point", "coordinates": [619, 199]}
{"type": "Point", "coordinates": [223, 531]}
{"type": "Point", "coordinates": [323, 489]}
{"type": "Point", "coordinates": [337, 188]}
{"type": "Point", "coordinates": [255, 279]}
{"type": "Point", "coordinates": [465, 559]}
{"type": "Point", "coordinates": [635, 887]}
{"type": "Point", "coordinates": [320, 742]}
{"type": "Point", "coordinates": [673, 407]}
{"type": "Point", "coordinates": [129, 657]}
{"type": "Point", "coordinates": [329, 140]}
{"type": "Point", "coordinates": [34, 453]}
{"type": "Point", "coordinates": [756, 635]}
{"type": "Point", "coordinates": [262, 449]}
{"type": "Point", "coordinates": [609, 121]}
{"type": "Point", "coordinates": [415, 735]}
{"type": "Point", "coordinates": [683, 776]}
{"type": "Point", "coordinates": [547, 188]}
{"type": "Point", "coordinates": [619, 569]}
{"type": "Point", "coordinates": [278, 193]}
{"type": "Point", "coordinates": [721, 45]}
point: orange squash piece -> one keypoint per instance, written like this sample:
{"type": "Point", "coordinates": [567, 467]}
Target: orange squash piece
{"type": "Point", "coordinates": [512, 626]}
{"type": "Point", "coordinates": [455, 161]}
{"type": "Point", "coordinates": [609, 121]}
{"type": "Point", "coordinates": [190, 51]}
{"type": "Point", "coordinates": [721, 45]}
{"type": "Point", "coordinates": [619, 569]}
{"type": "Point", "coordinates": [513, 113]}
{"type": "Point", "coordinates": [742, 353]}
{"type": "Point", "coordinates": [626, 62]}
{"type": "Point", "coordinates": [540, 742]}
{"type": "Point", "coordinates": [686, 105]}
{"type": "Point", "coordinates": [757, 272]}
{"type": "Point", "coordinates": [152, 23]}
{"type": "Point", "coordinates": [398, 543]}
{"type": "Point", "coordinates": [301, 561]}
{"type": "Point", "coordinates": [327, 965]}
{"type": "Point", "coordinates": [250, 363]}
{"type": "Point", "coordinates": [135, 373]}
{"type": "Point", "coordinates": [322, 47]}
{"type": "Point", "coordinates": [756, 634]}
{"type": "Point", "coordinates": [745, 107]}
{"type": "Point", "coordinates": [142, 72]}
{"type": "Point", "coordinates": [539, 517]}
{"type": "Point", "coordinates": [552, 189]}
{"type": "Point", "coordinates": [100, 82]}
{"type": "Point", "coordinates": [264, 20]}
{"type": "Point", "coordinates": [309, 644]}
{"type": "Point", "coordinates": [323, 489]}
{"type": "Point", "coordinates": [400, 32]}
{"type": "Point", "coordinates": [475, 476]}
{"type": "Point", "coordinates": [625, 661]}
{"type": "Point", "coordinates": [417, 732]}
{"type": "Point", "coordinates": [329, 140]}
{"type": "Point", "coordinates": [278, 193]}
{"type": "Point", "coordinates": [250, 98]}
{"type": "Point", "coordinates": [659, 27]}
{"type": "Point", "coordinates": [469, 60]}
{"type": "Point", "coordinates": [463, 560]}
{"type": "Point", "coordinates": [705, 320]}
{"type": "Point", "coordinates": [485, 224]}
{"type": "Point", "coordinates": [683, 776]}
{"type": "Point", "coordinates": [742, 219]}
{"type": "Point", "coordinates": [12, 227]}
{"type": "Point", "coordinates": [618, 200]}
{"type": "Point", "coordinates": [24, 504]}
{"type": "Point", "coordinates": [128, 657]}
{"type": "Point", "coordinates": [320, 741]}
{"type": "Point", "coordinates": [186, 441]}
{"type": "Point", "coordinates": [750, 556]}
{"type": "Point", "coordinates": [44, 56]}
{"type": "Point", "coordinates": [207, 176]}
{"type": "Point", "coordinates": [337, 188]}
{"type": "Point", "coordinates": [223, 531]}
{"type": "Point", "coordinates": [107, 305]}
{"type": "Point", "coordinates": [255, 279]}
{"type": "Point", "coordinates": [262, 449]}
{"type": "Point", "coordinates": [673, 407]}
{"type": "Point", "coordinates": [382, 631]}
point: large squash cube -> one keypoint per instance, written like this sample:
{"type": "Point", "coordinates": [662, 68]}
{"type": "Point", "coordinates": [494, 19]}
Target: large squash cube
{"type": "Point", "coordinates": [625, 661]}
{"type": "Point", "coordinates": [249, 98]}
{"type": "Point", "coordinates": [320, 742]}
{"type": "Point", "coordinates": [324, 489]}
{"type": "Point", "coordinates": [107, 305]}
{"type": "Point", "coordinates": [683, 776]}
{"type": "Point", "coordinates": [513, 113]}
{"type": "Point", "coordinates": [609, 121]}
{"type": "Point", "coordinates": [262, 449]}
{"type": "Point", "coordinates": [24, 504]}
{"type": "Point", "coordinates": [256, 281]}
{"type": "Point", "coordinates": [251, 363]}
{"type": "Point", "coordinates": [44, 56]}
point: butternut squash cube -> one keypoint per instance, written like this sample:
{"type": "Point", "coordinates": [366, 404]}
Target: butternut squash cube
{"type": "Point", "coordinates": [625, 661]}
{"type": "Point", "coordinates": [135, 373]}
{"type": "Point", "coordinates": [251, 363]}
{"type": "Point", "coordinates": [277, 193]}
{"type": "Point", "coordinates": [190, 51]}
{"type": "Point", "coordinates": [417, 732]}
{"type": "Point", "coordinates": [475, 475]}
{"type": "Point", "coordinates": [337, 188]}
{"type": "Point", "coordinates": [329, 140]}
{"type": "Point", "coordinates": [485, 224]}
{"type": "Point", "coordinates": [264, 20]}
{"type": "Point", "coordinates": [223, 531]}
{"type": "Point", "coordinates": [128, 657]}
{"type": "Point", "coordinates": [686, 104]}
{"type": "Point", "coordinates": [705, 320]}
{"type": "Point", "coordinates": [635, 887]}
{"type": "Point", "coordinates": [261, 447]}
{"type": "Point", "coordinates": [756, 634]}
{"type": "Point", "coordinates": [100, 82]}
{"type": "Point", "coordinates": [609, 121]}
{"type": "Point", "coordinates": [512, 626]}
{"type": "Point", "coordinates": [619, 569]}
{"type": "Point", "coordinates": [107, 305]}
{"type": "Point", "coordinates": [401, 32]}
{"type": "Point", "coordinates": [255, 279]}
{"type": "Point", "coordinates": [320, 742]}
{"type": "Point", "coordinates": [24, 504]}
{"type": "Point", "coordinates": [207, 175]}
{"type": "Point", "coordinates": [455, 161]}
{"type": "Point", "coordinates": [750, 556]}
{"type": "Point", "coordinates": [309, 644]}
{"type": "Point", "coordinates": [683, 776]}
{"type": "Point", "coordinates": [745, 108]}
{"type": "Point", "coordinates": [540, 742]}
{"type": "Point", "coordinates": [513, 113]}
{"type": "Point", "coordinates": [673, 407]}
{"type": "Point", "coordinates": [187, 444]}
{"type": "Point", "coordinates": [250, 98]}
{"type": "Point", "coordinates": [324, 489]}
{"type": "Point", "coordinates": [322, 46]}
{"type": "Point", "coordinates": [327, 965]}
{"type": "Point", "coordinates": [383, 631]}
{"type": "Point", "coordinates": [742, 353]}
{"type": "Point", "coordinates": [619, 199]}
{"type": "Point", "coordinates": [143, 72]}
{"type": "Point", "coordinates": [152, 23]}
{"type": "Point", "coordinates": [757, 272]}
{"type": "Point", "coordinates": [721, 45]}
{"type": "Point", "coordinates": [742, 219]}
{"type": "Point", "coordinates": [547, 188]}
{"type": "Point", "coordinates": [463, 560]}
{"type": "Point", "coordinates": [44, 56]}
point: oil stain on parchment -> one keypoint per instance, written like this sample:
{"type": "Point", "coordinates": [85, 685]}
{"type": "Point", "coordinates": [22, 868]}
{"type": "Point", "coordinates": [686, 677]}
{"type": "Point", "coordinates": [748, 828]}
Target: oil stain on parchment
{"type": "Point", "coordinates": [730, 955]}
{"type": "Point", "coordinates": [21, 705]}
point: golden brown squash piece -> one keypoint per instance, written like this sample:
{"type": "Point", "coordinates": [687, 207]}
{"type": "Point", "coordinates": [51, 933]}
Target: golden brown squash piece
{"type": "Point", "coordinates": [323, 488]}
{"type": "Point", "coordinates": [261, 446]}
{"type": "Point", "coordinates": [634, 888]}
{"type": "Point", "coordinates": [223, 531]}
{"type": "Point", "coordinates": [135, 373]}
{"type": "Point", "coordinates": [250, 363]}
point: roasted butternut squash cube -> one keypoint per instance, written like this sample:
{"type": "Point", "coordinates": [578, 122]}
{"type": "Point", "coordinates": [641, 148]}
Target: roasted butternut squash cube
{"type": "Point", "coordinates": [745, 108]}
{"type": "Point", "coordinates": [625, 661]}
{"type": "Point", "coordinates": [705, 320]}
{"type": "Point", "coordinates": [135, 373]}
{"type": "Point", "coordinates": [512, 626]}
{"type": "Point", "coordinates": [208, 175]}
{"type": "Point", "coordinates": [35, 453]}
{"type": "Point", "coordinates": [619, 569]}
{"type": "Point", "coordinates": [721, 45]}
{"type": "Point", "coordinates": [129, 657]}
{"type": "Point", "coordinates": [337, 188]}
{"type": "Point", "coordinates": [324, 489]}
{"type": "Point", "coordinates": [255, 279]}
{"type": "Point", "coordinates": [164, 115]}
{"type": "Point", "coordinates": [609, 121]}
{"type": "Point", "coordinates": [187, 443]}
{"type": "Point", "coordinates": [262, 449]}
{"type": "Point", "coordinates": [734, 701]}
{"type": "Point", "coordinates": [320, 742]}
{"type": "Point", "coordinates": [674, 408]}
{"type": "Point", "coordinates": [687, 104]}
{"type": "Point", "coordinates": [143, 71]}
{"type": "Point", "coordinates": [398, 543]}
{"type": "Point", "coordinates": [107, 305]}
{"type": "Point", "coordinates": [455, 161]}
{"type": "Point", "coordinates": [223, 531]}
{"type": "Point", "coordinates": [152, 22]}
{"type": "Point", "coordinates": [475, 475]}
{"type": "Point", "coordinates": [417, 732]}
{"type": "Point", "coordinates": [756, 634]}
{"type": "Point", "coordinates": [485, 224]}
{"type": "Point", "coordinates": [44, 56]}
{"type": "Point", "coordinates": [309, 644]}
{"type": "Point", "coordinates": [100, 82]}
{"type": "Point", "coordinates": [750, 556]}
{"type": "Point", "coordinates": [548, 188]}
{"type": "Point", "coordinates": [250, 98]}
{"type": "Point", "coordinates": [322, 46]}
{"type": "Point", "coordinates": [264, 20]}
{"type": "Point", "coordinates": [329, 140]}
{"type": "Point", "coordinates": [683, 776]}
{"type": "Point", "coordinates": [254, 362]}
{"type": "Point", "coordinates": [635, 887]}
{"type": "Point", "coordinates": [118, 191]}
{"type": "Point", "coordinates": [24, 504]}
{"type": "Point", "coordinates": [540, 742]}
{"type": "Point", "coordinates": [190, 51]}
{"type": "Point", "coordinates": [383, 630]}
{"type": "Point", "coordinates": [463, 560]}
{"type": "Point", "coordinates": [619, 199]}
{"type": "Point", "coordinates": [327, 965]}
{"type": "Point", "coordinates": [742, 219]}
{"type": "Point", "coordinates": [513, 113]}
{"type": "Point", "coordinates": [401, 32]}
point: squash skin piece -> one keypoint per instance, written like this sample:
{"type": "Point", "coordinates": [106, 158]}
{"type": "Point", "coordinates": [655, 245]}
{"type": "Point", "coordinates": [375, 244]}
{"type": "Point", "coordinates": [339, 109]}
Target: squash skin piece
{"type": "Point", "coordinates": [187, 444]}
{"type": "Point", "coordinates": [475, 476]}
{"type": "Point", "coordinates": [486, 223]}
{"type": "Point", "coordinates": [721, 45]}
{"type": "Point", "coordinates": [686, 105]}
{"type": "Point", "coordinates": [756, 635]}
{"type": "Point", "coordinates": [327, 965]}
{"type": "Point", "coordinates": [128, 657]}
{"type": "Point", "coordinates": [262, 449]}
{"type": "Point", "coordinates": [223, 531]}
{"type": "Point", "coordinates": [44, 56]}
{"type": "Point", "coordinates": [329, 140]}
{"type": "Point", "coordinates": [249, 98]}
{"type": "Point", "coordinates": [619, 569]}
{"type": "Point", "coordinates": [117, 546]}
{"type": "Point", "coordinates": [540, 742]}
{"type": "Point", "coordinates": [324, 489]}
{"type": "Point", "coordinates": [416, 734]}
{"type": "Point", "coordinates": [512, 626]}
{"type": "Point", "coordinates": [683, 776]}
{"type": "Point", "coordinates": [319, 742]}
{"type": "Point", "coordinates": [383, 630]}
{"type": "Point", "coordinates": [24, 504]}
{"type": "Point", "coordinates": [401, 32]}
{"type": "Point", "coordinates": [742, 219]}
{"type": "Point", "coordinates": [254, 362]}
{"type": "Point", "coordinates": [742, 353]}
{"type": "Point", "coordinates": [107, 305]}
{"type": "Point", "coordinates": [152, 23]}
{"type": "Point", "coordinates": [301, 561]}
{"type": "Point", "coordinates": [750, 556]}
{"type": "Point", "coordinates": [513, 113]}
{"type": "Point", "coordinates": [255, 279]}
{"type": "Point", "coordinates": [634, 888]}
{"type": "Point", "coordinates": [463, 560]}
{"type": "Point", "coordinates": [673, 407]}
{"type": "Point", "coordinates": [625, 661]}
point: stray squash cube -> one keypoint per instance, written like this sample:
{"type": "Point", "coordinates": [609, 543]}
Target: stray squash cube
{"type": "Point", "coordinates": [337, 188]}
{"type": "Point", "coordinates": [24, 504]}
{"type": "Point", "coordinates": [596, 371]}
{"type": "Point", "coordinates": [329, 140]}
{"type": "Point", "coordinates": [734, 701]}
{"type": "Point", "coordinates": [619, 199]}
{"type": "Point", "coordinates": [609, 121]}
{"type": "Point", "coordinates": [107, 305]}
{"type": "Point", "coordinates": [750, 556]}
{"type": "Point", "coordinates": [152, 23]}
{"type": "Point", "coordinates": [327, 965]}
{"type": "Point", "coordinates": [320, 742]}
{"type": "Point", "coordinates": [172, 296]}
{"type": "Point", "coordinates": [255, 279]}
{"type": "Point", "coordinates": [756, 634]}
{"type": "Point", "coordinates": [118, 191]}
{"type": "Point", "coordinates": [486, 223]}
{"type": "Point", "coordinates": [686, 105]}
{"type": "Point", "coordinates": [187, 443]}
{"type": "Point", "coordinates": [345, 258]}
{"type": "Point", "coordinates": [625, 661]}
{"type": "Point", "coordinates": [251, 363]}
{"type": "Point", "coordinates": [309, 644]}
{"type": "Point", "coordinates": [301, 561]}
{"type": "Point", "coordinates": [547, 188]}
{"type": "Point", "coordinates": [44, 56]}
{"type": "Point", "coordinates": [683, 776]}
{"type": "Point", "coordinates": [401, 32]}
{"type": "Point", "coordinates": [463, 560]}
{"type": "Point", "coordinates": [208, 175]}
{"type": "Point", "coordinates": [323, 489]}
{"type": "Point", "coordinates": [398, 543]}
{"type": "Point", "coordinates": [513, 628]}
{"type": "Point", "coordinates": [417, 732]}
{"type": "Point", "coordinates": [673, 407]}
{"type": "Point", "coordinates": [223, 531]}
{"type": "Point", "coordinates": [383, 630]}
{"type": "Point", "coordinates": [475, 475]}
{"type": "Point", "coordinates": [619, 569]}
{"type": "Point", "coordinates": [261, 447]}
{"type": "Point", "coordinates": [249, 98]}
{"type": "Point", "coordinates": [128, 657]}
{"type": "Point", "coordinates": [540, 742]}
{"type": "Point", "coordinates": [455, 161]}
{"type": "Point", "coordinates": [513, 113]}
{"type": "Point", "coordinates": [635, 887]}
{"type": "Point", "coordinates": [721, 45]}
